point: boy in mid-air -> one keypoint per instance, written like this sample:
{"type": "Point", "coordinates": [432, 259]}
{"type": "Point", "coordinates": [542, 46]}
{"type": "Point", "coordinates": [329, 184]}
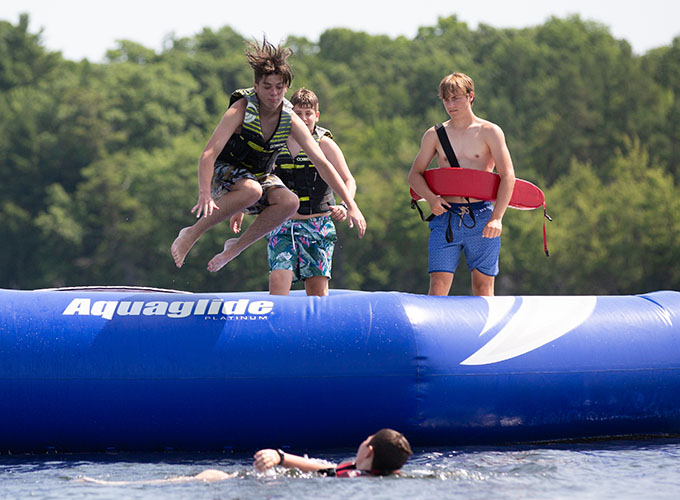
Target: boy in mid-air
{"type": "Point", "coordinates": [235, 168]}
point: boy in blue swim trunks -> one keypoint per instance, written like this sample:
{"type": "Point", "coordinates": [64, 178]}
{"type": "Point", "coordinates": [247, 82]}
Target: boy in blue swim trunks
{"type": "Point", "coordinates": [301, 249]}
{"type": "Point", "coordinates": [460, 224]}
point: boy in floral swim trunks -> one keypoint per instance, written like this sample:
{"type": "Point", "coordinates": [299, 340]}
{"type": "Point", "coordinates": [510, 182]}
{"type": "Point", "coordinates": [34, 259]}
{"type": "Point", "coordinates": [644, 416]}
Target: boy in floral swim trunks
{"type": "Point", "coordinates": [235, 168]}
{"type": "Point", "coordinates": [302, 248]}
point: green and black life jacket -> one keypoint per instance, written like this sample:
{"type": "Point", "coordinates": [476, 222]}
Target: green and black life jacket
{"type": "Point", "coordinates": [248, 147]}
{"type": "Point", "coordinates": [301, 176]}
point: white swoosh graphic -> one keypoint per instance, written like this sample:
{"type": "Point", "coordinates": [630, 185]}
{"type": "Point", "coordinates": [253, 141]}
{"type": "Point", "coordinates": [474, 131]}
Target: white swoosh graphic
{"type": "Point", "coordinates": [539, 320]}
{"type": "Point", "coordinates": [499, 307]}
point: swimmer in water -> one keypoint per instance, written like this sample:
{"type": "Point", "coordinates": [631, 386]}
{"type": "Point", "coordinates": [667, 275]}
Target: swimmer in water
{"type": "Point", "coordinates": [380, 454]}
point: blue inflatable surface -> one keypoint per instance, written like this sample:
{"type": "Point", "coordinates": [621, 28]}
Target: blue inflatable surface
{"type": "Point", "coordinates": [87, 370]}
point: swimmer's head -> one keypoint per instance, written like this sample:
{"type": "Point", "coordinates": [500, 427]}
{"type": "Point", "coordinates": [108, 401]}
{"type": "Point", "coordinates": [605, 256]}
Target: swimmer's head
{"type": "Point", "coordinates": [384, 452]}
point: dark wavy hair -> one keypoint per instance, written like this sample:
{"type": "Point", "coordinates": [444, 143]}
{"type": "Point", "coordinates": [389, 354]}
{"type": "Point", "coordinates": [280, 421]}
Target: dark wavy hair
{"type": "Point", "coordinates": [266, 59]}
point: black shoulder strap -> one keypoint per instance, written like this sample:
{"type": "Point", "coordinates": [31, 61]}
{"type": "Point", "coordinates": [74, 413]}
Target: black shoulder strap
{"type": "Point", "coordinates": [450, 154]}
{"type": "Point", "coordinates": [453, 161]}
{"type": "Point", "coordinates": [446, 145]}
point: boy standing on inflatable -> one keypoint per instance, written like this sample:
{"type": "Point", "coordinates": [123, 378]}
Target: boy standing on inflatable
{"type": "Point", "coordinates": [302, 248]}
{"type": "Point", "coordinates": [463, 224]}
{"type": "Point", "coordinates": [235, 168]}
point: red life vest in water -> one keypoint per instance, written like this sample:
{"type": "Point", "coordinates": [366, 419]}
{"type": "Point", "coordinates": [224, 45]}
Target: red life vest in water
{"type": "Point", "coordinates": [347, 469]}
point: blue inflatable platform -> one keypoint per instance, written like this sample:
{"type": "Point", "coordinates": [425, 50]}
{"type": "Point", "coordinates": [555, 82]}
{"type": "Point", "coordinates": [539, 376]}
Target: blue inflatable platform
{"type": "Point", "coordinates": [145, 370]}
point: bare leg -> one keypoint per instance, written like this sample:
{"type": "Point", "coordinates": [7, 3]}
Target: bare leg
{"type": "Point", "coordinates": [244, 194]}
{"type": "Point", "coordinates": [482, 285]}
{"type": "Point", "coordinates": [317, 285]}
{"type": "Point", "coordinates": [208, 475]}
{"type": "Point", "coordinates": [282, 205]}
{"type": "Point", "coordinates": [440, 283]}
{"type": "Point", "coordinates": [280, 281]}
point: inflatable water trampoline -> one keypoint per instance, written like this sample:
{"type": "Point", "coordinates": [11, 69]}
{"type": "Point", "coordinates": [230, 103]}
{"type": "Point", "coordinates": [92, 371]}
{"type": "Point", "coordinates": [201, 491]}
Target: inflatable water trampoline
{"type": "Point", "coordinates": [148, 370]}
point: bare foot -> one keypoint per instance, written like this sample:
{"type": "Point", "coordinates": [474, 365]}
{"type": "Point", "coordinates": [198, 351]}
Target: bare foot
{"type": "Point", "coordinates": [181, 246]}
{"type": "Point", "coordinates": [223, 258]}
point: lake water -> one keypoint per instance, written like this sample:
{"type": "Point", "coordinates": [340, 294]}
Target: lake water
{"type": "Point", "coordinates": [602, 470]}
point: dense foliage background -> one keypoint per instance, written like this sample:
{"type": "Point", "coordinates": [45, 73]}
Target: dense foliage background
{"type": "Point", "coordinates": [98, 161]}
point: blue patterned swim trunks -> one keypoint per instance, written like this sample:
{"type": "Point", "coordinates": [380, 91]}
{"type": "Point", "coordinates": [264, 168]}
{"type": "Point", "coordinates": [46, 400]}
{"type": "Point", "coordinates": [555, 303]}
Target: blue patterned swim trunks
{"type": "Point", "coordinates": [480, 253]}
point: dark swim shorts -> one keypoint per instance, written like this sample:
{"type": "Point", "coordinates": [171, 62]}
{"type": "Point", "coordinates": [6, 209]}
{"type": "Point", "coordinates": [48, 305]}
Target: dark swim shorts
{"type": "Point", "coordinates": [225, 176]}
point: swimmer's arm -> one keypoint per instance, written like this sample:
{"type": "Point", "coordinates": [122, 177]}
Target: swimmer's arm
{"type": "Point", "coordinates": [266, 459]}
{"type": "Point", "coordinates": [416, 176]}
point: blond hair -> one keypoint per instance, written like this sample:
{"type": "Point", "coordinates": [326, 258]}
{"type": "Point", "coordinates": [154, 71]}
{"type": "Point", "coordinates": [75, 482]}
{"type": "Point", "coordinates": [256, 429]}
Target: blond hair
{"type": "Point", "coordinates": [455, 83]}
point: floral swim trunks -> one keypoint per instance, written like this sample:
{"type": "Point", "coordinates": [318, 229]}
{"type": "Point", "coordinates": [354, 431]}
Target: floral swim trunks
{"type": "Point", "coordinates": [303, 246]}
{"type": "Point", "coordinates": [226, 175]}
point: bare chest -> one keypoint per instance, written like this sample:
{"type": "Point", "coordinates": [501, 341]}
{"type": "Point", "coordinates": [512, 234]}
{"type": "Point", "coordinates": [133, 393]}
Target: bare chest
{"type": "Point", "coordinates": [471, 149]}
{"type": "Point", "coordinates": [269, 126]}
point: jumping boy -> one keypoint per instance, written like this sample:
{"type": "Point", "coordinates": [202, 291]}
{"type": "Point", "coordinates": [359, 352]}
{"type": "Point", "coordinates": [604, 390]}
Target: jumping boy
{"type": "Point", "coordinates": [472, 225]}
{"type": "Point", "coordinates": [235, 168]}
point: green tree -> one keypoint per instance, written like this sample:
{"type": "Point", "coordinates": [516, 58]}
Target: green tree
{"type": "Point", "coordinates": [99, 160]}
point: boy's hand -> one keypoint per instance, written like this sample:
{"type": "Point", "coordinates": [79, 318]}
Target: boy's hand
{"type": "Point", "coordinates": [205, 205]}
{"type": "Point", "coordinates": [236, 221]}
{"type": "Point", "coordinates": [354, 216]}
{"type": "Point", "coordinates": [438, 205]}
{"type": "Point", "coordinates": [338, 212]}
{"type": "Point", "coordinates": [266, 459]}
{"type": "Point", "coordinates": [492, 229]}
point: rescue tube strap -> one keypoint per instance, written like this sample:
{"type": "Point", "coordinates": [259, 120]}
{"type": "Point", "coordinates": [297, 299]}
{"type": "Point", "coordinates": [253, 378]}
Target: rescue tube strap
{"type": "Point", "coordinates": [453, 162]}
{"type": "Point", "coordinates": [545, 236]}
{"type": "Point", "coordinates": [446, 145]}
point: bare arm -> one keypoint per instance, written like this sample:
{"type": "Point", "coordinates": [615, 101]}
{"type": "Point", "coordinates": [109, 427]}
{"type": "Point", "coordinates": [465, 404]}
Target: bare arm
{"type": "Point", "coordinates": [230, 121]}
{"type": "Point", "coordinates": [328, 172]}
{"type": "Point", "coordinates": [266, 459]}
{"type": "Point", "coordinates": [416, 176]}
{"type": "Point", "coordinates": [334, 154]}
{"type": "Point", "coordinates": [501, 156]}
